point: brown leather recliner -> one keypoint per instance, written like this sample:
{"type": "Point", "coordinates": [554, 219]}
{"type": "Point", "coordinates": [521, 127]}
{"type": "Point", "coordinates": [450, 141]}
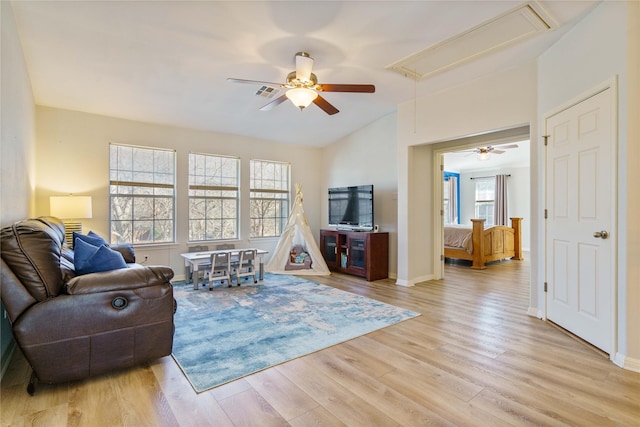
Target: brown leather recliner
{"type": "Point", "coordinates": [70, 328]}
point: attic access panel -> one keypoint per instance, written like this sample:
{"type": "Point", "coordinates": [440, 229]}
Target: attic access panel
{"type": "Point", "coordinates": [504, 30]}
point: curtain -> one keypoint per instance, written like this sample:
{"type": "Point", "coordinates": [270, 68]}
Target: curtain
{"type": "Point", "coordinates": [500, 214]}
{"type": "Point", "coordinates": [453, 200]}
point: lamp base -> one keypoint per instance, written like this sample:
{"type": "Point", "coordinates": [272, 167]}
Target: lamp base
{"type": "Point", "coordinates": [69, 228]}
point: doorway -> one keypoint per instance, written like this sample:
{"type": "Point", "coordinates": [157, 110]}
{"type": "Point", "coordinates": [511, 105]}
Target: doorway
{"type": "Point", "coordinates": [463, 147]}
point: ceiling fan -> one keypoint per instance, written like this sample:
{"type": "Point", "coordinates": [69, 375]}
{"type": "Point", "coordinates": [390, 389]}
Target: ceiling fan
{"type": "Point", "coordinates": [483, 152]}
{"type": "Point", "coordinates": [302, 87]}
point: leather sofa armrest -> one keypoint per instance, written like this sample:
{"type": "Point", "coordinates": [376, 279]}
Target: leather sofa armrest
{"type": "Point", "coordinates": [127, 251]}
{"type": "Point", "coordinates": [122, 279]}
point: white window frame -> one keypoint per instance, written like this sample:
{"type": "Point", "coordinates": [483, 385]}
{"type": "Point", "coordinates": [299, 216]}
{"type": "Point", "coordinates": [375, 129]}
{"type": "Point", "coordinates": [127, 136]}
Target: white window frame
{"type": "Point", "coordinates": [142, 183]}
{"type": "Point", "coordinates": [218, 192]}
{"type": "Point", "coordinates": [483, 200]}
{"type": "Point", "coordinates": [269, 196]}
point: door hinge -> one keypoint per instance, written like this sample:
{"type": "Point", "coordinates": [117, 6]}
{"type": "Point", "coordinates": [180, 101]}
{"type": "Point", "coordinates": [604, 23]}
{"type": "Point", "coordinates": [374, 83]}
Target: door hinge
{"type": "Point", "coordinates": [545, 286]}
{"type": "Point", "coordinates": [545, 214]}
{"type": "Point", "coordinates": [441, 257]}
{"type": "Point", "coordinates": [546, 139]}
{"type": "Point", "coordinates": [442, 168]}
{"type": "Point", "coordinates": [441, 212]}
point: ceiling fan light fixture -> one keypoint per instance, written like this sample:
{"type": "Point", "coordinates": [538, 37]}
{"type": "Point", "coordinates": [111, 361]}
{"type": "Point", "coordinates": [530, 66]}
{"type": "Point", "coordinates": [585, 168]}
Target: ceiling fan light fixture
{"type": "Point", "coordinates": [301, 97]}
{"type": "Point", "coordinates": [483, 155]}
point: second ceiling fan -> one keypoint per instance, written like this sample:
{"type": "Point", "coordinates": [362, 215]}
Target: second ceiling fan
{"type": "Point", "coordinates": [302, 87]}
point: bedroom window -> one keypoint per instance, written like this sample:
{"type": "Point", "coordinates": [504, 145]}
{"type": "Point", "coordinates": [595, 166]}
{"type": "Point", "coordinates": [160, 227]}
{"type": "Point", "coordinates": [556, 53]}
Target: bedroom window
{"type": "Point", "coordinates": [213, 197]}
{"type": "Point", "coordinates": [141, 194]}
{"type": "Point", "coordinates": [269, 197]}
{"type": "Point", "coordinates": [485, 199]}
{"type": "Point", "coordinates": [451, 198]}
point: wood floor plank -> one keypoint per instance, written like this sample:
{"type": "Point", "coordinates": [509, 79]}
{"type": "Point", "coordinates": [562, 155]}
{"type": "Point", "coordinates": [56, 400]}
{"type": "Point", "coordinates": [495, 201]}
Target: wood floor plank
{"type": "Point", "coordinates": [284, 396]}
{"type": "Point", "coordinates": [249, 409]}
{"type": "Point", "coordinates": [473, 358]}
{"type": "Point", "coordinates": [190, 409]}
{"type": "Point", "coordinates": [348, 407]}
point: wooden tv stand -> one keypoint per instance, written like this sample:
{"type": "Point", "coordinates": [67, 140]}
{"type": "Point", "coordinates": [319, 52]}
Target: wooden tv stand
{"type": "Point", "coordinates": [361, 253]}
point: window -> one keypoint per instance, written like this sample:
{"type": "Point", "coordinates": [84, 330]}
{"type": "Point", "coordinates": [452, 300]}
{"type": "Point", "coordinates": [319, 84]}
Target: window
{"type": "Point", "coordinates": [213, 197]}
{"type": "Point", "coordinates": [142, 194]}
{"type": "Point", "coordinates": [485, 197]}
{"type": "Point", "coordinates": [451, 198]}
{"type": "Point", "coordinates": [269, 197]}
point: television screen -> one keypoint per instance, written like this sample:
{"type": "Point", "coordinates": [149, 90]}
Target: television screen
{"type": "Point", "coordinates": [351, 207]}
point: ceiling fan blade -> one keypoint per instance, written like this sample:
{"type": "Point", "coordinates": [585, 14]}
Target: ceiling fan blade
{"type": "Point", "coordinates": [274, 103]}
{"type": "Point", "coordinates": [508, 146]}
{"type": "Point", "coordinates": [325, 106]}
{"type": "Point", "coordinates": [326, 87]}
{"type": "Point", "coordinates": [304, 64]}
{"type": "Point", "coordinates": [260, 82]}
{"type": "Point", "coordinates": [494, 151]}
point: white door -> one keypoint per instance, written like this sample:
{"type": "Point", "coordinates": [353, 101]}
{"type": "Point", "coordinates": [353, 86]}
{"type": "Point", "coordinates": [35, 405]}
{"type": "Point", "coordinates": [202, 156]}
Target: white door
{"type": "Point", "coordinates": [579, 241]}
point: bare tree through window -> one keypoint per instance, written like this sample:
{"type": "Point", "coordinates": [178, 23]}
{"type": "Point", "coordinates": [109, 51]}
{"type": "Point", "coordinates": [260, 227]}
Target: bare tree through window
{"type": "Point", "coordinates": [213, 197]}
{"type": "Point", "coordinates": [269, 197]}
{"type": "Point", "coordinates": [142, 194]}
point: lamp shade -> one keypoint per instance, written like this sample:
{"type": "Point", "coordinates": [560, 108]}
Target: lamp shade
{"type": "Point", "coordinates": [301, 97]}
{"type": "Point", "coordinates": [70, 207]}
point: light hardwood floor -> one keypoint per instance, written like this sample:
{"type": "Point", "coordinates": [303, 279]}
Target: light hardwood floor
{"type": "Point", "coordinates": [473, 358]}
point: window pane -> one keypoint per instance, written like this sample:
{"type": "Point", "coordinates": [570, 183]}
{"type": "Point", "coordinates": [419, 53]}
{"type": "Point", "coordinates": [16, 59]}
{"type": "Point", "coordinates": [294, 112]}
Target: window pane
{"type": "Point", "coordinates": [213, 196]}
{"type": "Point", "coordinates": [142, 192]}
{"type": "Point", "coordinates": [269, 198]}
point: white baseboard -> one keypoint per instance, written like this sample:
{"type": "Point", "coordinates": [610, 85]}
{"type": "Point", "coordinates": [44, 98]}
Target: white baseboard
{"type": "Point", "coordinates": [627, 363]}
{"type": "Point", "coordinates": [534, 312]}
{"type": "Point", "coordinates": [412, 282]}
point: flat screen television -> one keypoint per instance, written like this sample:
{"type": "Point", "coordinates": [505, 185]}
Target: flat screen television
{"type": "Point", "coordinates": [351, 207]}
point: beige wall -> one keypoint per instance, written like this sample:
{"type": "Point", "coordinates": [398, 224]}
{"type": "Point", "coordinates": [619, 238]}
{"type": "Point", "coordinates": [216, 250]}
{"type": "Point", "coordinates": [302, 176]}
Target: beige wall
{"type": "Point", "coordinates": [17, 127]}
{"type": "Point", "coordinates": [73, 157]}
{"type": "Point", "coordinates": [368, 156]}
{"type": "Point", "coordinates": [17, 140]}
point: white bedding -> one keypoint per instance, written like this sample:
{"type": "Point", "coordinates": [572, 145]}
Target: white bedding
{"type": "Point", "coordinates": [459, 237]}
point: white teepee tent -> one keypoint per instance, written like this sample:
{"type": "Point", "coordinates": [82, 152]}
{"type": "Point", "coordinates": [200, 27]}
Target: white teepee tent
{"type": "Point", "coordinates": [297, 233]}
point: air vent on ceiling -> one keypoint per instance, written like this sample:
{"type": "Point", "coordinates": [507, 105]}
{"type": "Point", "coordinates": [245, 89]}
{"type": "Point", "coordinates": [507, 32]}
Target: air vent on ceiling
{"type": "Point", "coordinates": [504, 30]}
{"type": "Point", "coordinates": [267, 92]}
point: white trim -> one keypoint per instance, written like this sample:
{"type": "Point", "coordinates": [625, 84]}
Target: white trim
{"type": "Point", "coordinates": [626, 362]}
{"type": "Point", "coordinates": [415, 280]}
{"type": "Point", "coordinates": [631, 364]}
{"type": "Point", "coordinates": [534, 312]}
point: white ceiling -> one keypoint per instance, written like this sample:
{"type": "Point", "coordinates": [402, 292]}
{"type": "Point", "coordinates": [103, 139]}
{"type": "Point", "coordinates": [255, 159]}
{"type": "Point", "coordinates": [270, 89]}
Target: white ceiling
{"type": "Point", "coordinates": [167, 61]}
{"type": "Point", "coordinates": [462, 161]}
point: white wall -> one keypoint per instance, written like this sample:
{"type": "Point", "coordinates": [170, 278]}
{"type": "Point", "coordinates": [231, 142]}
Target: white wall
{"type": "Point", "coordinates": [73, 157]}
{"type": "Point", "coordinates": [368, 156]}
{"type": "Point", "coordinates": [597, 49]}
{"type": "Point", "coordinates": [496, 102]}
{"type": "Point", "coordinates": [17, 141]}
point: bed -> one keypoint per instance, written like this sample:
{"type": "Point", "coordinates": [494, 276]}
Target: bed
{"type": "Point", "coordinates": [481, 246]}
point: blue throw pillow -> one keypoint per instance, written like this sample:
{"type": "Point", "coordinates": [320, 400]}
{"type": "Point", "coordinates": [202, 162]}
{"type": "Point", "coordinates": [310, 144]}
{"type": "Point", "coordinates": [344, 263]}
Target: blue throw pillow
{"type": "Point", "coordinates": [92, 239]}
{"type": "Point", "coordinates": [92, 259]}
{"type": "Point", "coordinates": [97, 236]}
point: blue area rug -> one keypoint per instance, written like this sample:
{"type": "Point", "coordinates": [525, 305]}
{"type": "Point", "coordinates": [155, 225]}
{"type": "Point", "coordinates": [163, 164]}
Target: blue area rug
{"type": "Point", "coordinates": [228, 333]}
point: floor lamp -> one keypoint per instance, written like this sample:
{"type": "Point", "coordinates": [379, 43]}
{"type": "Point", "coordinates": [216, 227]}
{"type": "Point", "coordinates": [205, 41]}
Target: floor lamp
{"type": "Point", "coordinates": [70, 209]}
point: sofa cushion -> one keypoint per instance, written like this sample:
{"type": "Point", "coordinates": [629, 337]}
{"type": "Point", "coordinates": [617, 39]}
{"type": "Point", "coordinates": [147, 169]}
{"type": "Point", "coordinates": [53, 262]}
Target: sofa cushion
{"type": "Point", "coordinates": [91, 238]}
{"type": "Point", "coordinates": [31, 249]}
{"type": "Point", "coordinates": [92, 259]}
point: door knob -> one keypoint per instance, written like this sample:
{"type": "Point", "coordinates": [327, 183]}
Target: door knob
{"type": "Point", "coordinates": [601, 234]}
